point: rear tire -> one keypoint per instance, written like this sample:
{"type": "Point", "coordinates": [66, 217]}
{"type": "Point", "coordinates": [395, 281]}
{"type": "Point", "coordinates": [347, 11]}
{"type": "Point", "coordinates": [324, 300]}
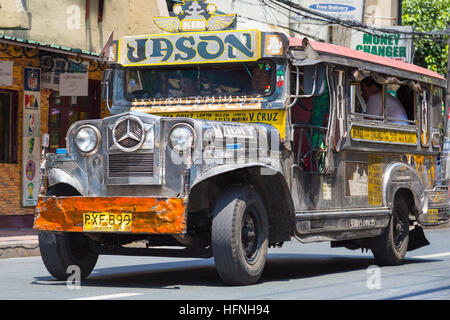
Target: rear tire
{"type": "Point", "coordinates": [389, 249]}
{"type": "Point", "coordinates": [240, 235]}
{"type": "Point", "coordinates": [59, 251]}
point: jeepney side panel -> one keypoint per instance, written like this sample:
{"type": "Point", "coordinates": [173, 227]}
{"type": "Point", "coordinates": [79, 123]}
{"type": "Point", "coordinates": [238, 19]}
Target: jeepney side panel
{"type": "Point", "coordinates": [397, 157]}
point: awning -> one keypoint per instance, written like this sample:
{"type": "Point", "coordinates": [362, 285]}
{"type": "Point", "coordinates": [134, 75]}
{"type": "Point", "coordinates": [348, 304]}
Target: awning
{"type": "Point", "coordinates": [49, 47]}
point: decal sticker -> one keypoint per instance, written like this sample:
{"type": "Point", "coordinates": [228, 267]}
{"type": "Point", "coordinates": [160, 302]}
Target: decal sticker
{"type": "Point", "coordinates": [326, 191]}
{"type": "Point", "coordinates": [276, 118]}
{"type": "Point", "coordinates": [375, 164]}
{"type": "Point", "coordinates": [193, 15]}
{"type": "Point", "coordinates": [356, 177]}
{"type": "Point", "coordinates": [359, 133]}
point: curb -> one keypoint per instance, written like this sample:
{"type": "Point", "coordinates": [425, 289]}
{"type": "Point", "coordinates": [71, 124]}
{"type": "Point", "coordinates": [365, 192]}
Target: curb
{"type": "Point", "coordinates": [15, 247]}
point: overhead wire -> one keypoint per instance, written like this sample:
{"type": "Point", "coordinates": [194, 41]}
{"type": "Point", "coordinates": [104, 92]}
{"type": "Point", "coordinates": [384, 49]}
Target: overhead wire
{"type": "Point", "coordinates": [305, 12]}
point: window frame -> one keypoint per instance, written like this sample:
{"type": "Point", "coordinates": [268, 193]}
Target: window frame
{"type": "Point", "coordinates": [12, 152]}
{"type": "Point", "coordinates": [355, 87]}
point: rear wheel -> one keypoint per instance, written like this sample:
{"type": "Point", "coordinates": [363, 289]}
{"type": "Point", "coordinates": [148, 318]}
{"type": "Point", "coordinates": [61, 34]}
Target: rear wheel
{"type": "Point", "coordinates": [390, 247]}
{"type": "Point", "coordinates": [240, 235]}
{"type": "Point", "coordinates": [60, 251]}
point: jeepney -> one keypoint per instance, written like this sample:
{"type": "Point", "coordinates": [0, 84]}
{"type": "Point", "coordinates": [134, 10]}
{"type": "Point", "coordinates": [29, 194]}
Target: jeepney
{"type": "Point", "coordinates": [225, 143]}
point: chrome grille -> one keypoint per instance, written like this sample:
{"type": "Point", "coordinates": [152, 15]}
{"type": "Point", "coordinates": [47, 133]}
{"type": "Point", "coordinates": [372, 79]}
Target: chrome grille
{"type": "Point", "coordinates": [130, 165]}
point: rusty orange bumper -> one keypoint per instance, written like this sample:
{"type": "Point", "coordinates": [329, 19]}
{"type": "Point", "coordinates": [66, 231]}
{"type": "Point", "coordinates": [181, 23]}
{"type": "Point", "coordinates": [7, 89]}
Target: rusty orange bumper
{"type": "Point", "coordinates": [148, 215]}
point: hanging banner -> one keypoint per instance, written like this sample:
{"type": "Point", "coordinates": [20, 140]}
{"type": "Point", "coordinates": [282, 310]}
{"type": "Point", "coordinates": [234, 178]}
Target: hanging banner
{"type": "Point", "coordinates": [31, 136]}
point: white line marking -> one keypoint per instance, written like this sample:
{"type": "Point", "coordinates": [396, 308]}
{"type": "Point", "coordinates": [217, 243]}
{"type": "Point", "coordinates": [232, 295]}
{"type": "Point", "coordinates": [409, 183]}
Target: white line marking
{"type": "Point", "coordinates": [437, 255]}
{"type": "Point", "coordinates": [111, 296]}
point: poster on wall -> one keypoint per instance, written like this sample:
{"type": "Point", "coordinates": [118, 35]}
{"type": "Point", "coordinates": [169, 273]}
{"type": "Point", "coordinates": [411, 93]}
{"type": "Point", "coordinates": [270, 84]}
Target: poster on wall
{"type": "Point", "coordinates": [31, 136]}
{"type": "Point", "coordinates": [6, 73]}
{"type": "Point", "coordinates": [74, 84]}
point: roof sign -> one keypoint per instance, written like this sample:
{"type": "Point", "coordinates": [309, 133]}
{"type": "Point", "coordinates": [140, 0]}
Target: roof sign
{"type": "Point", "coordinates": [194, 15]}
{"type": "Point", "coordinates": [188, 48]}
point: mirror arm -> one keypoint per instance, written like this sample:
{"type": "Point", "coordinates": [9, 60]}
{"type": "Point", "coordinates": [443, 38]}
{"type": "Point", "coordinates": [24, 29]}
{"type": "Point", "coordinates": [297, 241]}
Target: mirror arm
{"type": "Point", "coordinates": [107, 96]}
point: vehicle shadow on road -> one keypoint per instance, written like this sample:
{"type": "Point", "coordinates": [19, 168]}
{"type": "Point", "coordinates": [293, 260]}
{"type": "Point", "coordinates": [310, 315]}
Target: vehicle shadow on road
{"type": "Point", "coordinates": [201, 272]}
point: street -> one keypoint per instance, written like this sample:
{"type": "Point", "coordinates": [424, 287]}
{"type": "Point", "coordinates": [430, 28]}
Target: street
{"type": "Point", "coordinates": [294, 272]}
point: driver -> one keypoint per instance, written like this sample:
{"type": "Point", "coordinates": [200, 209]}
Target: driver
{"type": "Point", "coordinates": [261, 79]}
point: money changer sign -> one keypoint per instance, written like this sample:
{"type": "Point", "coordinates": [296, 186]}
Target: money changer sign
{"type": "Point", "coordinates": [389, 45]}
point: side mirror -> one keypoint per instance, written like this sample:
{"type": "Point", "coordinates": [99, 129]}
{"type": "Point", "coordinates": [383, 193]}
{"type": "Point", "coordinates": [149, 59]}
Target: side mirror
{"type": "Point", "coordinates": [107, 84]}
{"type": "Point", "coordinates": [314, 79]}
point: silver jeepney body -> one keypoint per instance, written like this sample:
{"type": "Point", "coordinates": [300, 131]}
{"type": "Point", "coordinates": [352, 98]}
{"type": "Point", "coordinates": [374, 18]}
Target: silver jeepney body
{"type": "Point", "coordinates": [365, 162]}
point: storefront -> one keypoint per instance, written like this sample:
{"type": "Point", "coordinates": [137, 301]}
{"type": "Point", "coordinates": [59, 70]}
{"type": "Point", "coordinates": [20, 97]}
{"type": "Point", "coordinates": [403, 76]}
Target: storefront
{"type": "Point", "coordinates": [43, 89]}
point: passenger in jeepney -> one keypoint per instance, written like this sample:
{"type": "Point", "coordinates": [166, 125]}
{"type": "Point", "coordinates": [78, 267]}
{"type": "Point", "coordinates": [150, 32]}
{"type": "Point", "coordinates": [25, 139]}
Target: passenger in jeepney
{"type": "Point", "coordinates": [261, 81]}
{"type": "Point", "coordinates": [185, 84]}
{"type": "Point", "coordinates": [372, 94]}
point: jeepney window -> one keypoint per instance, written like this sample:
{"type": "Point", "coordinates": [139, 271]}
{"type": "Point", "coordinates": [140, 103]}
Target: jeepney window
{"type": "Point", "coordinates": [437, 108]}
{"type": "Point", "coordinates": [370, 98]}
{"type": "Point", "coordinates": [310, 115]}
{"type": "Point", "coordinates": [424, 103]}
{"type": "Point", "coordinates": [437, 113]}
{"type": "Point", "coordinates": [238, 79]}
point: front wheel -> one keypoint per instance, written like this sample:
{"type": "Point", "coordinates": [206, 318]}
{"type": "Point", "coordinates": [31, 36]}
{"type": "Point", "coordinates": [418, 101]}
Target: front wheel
{"type": "Point", "coordinates": [240, 235]}
{"type": "Point", "coordinates": [60, 251]}
{"type": "Point", "coordinates": [390, 247]}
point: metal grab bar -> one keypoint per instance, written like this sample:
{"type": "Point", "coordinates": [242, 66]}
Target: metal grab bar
{"type": "Point", "coordinates": [301, 157]}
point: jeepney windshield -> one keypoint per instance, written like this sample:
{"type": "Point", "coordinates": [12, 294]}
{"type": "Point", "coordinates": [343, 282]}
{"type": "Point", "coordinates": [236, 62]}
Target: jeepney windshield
{"type": "Point", "coordinates": [238, 79]}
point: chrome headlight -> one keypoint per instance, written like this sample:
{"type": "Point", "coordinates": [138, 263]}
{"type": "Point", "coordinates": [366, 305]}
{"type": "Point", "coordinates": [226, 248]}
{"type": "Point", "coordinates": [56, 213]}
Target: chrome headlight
{"type": "Point", "coordinates": [87, 139]}
{"type": "Point", "coordinates": [181, 138]}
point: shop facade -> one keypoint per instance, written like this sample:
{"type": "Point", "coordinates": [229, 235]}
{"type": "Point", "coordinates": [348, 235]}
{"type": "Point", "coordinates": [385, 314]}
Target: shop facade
{"type": "Point", "coordinates": [43, 90]}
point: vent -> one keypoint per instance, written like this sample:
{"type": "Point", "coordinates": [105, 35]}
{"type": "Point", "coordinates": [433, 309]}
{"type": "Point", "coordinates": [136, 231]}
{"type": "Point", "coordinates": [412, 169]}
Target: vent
{"type": "Point", "coordinates": [130, 165]}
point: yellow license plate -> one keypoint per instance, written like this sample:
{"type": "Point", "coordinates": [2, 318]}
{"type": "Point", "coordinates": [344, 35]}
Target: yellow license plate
{"type": "Point", "coordinates": [107, 222]}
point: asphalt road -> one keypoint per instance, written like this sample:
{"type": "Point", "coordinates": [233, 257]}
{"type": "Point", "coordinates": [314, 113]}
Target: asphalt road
{"type": "Point", "coordinates": [294, 272]}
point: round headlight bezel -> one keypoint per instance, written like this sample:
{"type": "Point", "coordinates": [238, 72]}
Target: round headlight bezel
{"type": "Point", "coordinates": [181, 126]}
{"type": "Point", "coordinates": [98, 136]}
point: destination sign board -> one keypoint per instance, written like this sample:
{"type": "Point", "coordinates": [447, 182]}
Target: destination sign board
{"type": "Point", "coordinates": [190, 48]}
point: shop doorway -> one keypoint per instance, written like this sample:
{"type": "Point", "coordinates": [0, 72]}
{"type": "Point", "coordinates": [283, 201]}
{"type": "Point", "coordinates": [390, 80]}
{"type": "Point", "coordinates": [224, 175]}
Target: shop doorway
{"type": "Point", "coordinates": [64, 111]}
{"type": "Point", "coordinates": [8, 126]}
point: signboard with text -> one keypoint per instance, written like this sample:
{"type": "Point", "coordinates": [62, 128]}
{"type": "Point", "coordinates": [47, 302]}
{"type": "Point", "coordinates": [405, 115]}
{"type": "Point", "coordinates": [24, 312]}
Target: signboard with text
{"type": "Point", "coordinates": [31, 136]}
{"type": "Point", "coordinates": [393, 45]}
{"type": "Point", "coordinates": [351, 10]}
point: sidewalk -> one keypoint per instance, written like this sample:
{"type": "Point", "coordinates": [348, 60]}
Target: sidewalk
{"type": "Point", "coordinates": [16, 243]}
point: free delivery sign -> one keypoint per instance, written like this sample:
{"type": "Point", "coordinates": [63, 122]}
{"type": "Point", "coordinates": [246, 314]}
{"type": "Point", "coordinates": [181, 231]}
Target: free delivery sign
{"type": "Point", "coordinates": [341, 9]}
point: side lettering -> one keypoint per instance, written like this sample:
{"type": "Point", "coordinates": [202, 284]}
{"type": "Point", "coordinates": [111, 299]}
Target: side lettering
{"type": "Point", "coordinates": [234, 42]}
{"type": "Point", "coordinates": [140, 51]}
{"type": "Point", "coordinates": [158, 49]}
{"type": "Point", "coordinates": [188, 51]}
{"type": "Point", "coordinates": [203, 51]}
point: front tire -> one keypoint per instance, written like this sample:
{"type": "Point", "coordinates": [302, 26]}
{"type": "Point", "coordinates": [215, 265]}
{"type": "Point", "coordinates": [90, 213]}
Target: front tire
{"type": "Point", "coordinates": [60, 251]}
{"type": "Point", "coordinates": [240, 235]}
{"type": "Point", "coordinates": [389, 249]}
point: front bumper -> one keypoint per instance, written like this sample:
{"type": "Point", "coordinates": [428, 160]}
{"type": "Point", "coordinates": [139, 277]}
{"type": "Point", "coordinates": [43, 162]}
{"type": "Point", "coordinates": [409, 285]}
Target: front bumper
{"type": "Point", "coordinates": [150, 215]}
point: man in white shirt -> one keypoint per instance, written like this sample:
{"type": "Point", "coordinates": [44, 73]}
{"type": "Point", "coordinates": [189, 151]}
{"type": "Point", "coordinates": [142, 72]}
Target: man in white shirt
{"type": "Point", "coordinates": [372, 94]}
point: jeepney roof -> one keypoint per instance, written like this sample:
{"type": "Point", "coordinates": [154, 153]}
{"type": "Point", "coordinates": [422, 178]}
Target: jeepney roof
{"type": "Point", "coordinates": [336, 54]}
